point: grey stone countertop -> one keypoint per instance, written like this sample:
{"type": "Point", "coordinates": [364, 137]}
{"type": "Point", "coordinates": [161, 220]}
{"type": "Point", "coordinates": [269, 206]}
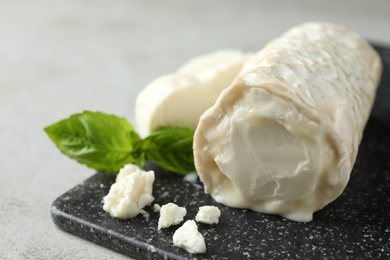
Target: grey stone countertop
{"type": "Point", "coordinates": [62, 57]}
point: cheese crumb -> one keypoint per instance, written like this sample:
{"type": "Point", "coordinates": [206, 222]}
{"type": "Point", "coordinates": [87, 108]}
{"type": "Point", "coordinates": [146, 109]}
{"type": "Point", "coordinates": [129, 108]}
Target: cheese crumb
{"type": "Point", "coordinates": [126, 171]}
{"type": "Point", "coordinates": [192, 177]}
{"type": "Point", "coordinates": [171, 214]}
{"type": "Point", "coordinates": [130, 193]}
{"type": "Point", "coordinates": [189, 238]}
{"type": "Point", "coordinates": [156, 207]}
{"type": "Point", "coordinates": [208, 215]}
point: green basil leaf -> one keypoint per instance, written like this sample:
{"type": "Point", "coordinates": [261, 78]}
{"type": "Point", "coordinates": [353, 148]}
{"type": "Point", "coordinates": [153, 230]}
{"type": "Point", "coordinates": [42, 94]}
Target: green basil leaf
{"type": "Point", "coordinates": [101, 141]}
{"type": "Point", "coordinates": [171, 148]}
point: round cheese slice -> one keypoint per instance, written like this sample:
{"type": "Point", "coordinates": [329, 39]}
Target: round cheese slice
{"type": "Point", "coordinates": [179, 99]}
{"type": "Point", "coordinates": [283, 138]}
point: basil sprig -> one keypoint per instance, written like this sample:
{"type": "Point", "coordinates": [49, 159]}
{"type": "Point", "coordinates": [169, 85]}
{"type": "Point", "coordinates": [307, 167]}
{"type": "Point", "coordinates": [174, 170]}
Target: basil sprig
{"type": "Point", "coordinates": [170, 148]}
{"type": "Point", "coordinates": [106, 142]}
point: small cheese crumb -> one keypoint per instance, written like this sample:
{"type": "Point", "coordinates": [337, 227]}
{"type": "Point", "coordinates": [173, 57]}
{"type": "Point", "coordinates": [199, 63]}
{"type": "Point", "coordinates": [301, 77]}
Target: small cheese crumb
{"type": "Point", "coordinates": [156, 207]}
{"type": "Point", "coordinates": [208, 215]}
{"type": "Point", "coordinates": [145, 214]}
{"type": "Point", "coordinates": [171, 214]}
{"type": "Point", "coordinates": [189, 238]}
{"type": "Point", "coordinates": [192, 177]}
{"type": "Point", "coordinates": [130, 194]}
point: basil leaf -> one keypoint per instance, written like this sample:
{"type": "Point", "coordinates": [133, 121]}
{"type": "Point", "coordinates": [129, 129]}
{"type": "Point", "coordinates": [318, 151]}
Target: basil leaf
{"type": "Point", "coordinates": [171, 148]}
{"type": "Point", "coordinates": [107, 142]}
{"type": "Point", "coordinates": [100, 141]}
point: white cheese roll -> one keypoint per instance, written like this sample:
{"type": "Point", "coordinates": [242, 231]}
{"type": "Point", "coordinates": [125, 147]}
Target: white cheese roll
{"type": "Point", "coordinates": [179, 99]}
{"type": "Point", "coordinates": [283, 137]}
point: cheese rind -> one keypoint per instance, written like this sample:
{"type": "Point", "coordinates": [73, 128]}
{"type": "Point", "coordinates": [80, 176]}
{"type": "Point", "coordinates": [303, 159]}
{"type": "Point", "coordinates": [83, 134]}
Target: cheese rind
{"type": "Point", "coordinates": [180, 98]}
{"type": "Point", "coordinates": [283, 138]}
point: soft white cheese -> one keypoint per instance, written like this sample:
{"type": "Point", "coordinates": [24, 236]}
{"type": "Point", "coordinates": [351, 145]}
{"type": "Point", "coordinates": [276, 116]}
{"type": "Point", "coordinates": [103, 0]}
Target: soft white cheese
{"type": "Point", "coordinates": [208, 215]}
{"type": "Point", "coordinates": [180, 98]}
{"type": "Point", "coordinates": [189, 238]}
{"type": "Point", "coordinates": [126, 171]}
{"type": "Point", "coordinates": [283, 138]}
{"type": "Point", "coordinates": [130, 194]}
{"type": "Point", "coordinates": [171, 214]}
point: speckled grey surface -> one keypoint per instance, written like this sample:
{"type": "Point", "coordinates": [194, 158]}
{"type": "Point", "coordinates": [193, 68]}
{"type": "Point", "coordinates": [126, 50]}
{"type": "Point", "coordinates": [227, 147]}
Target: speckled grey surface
{"type": "Point", "coordinates": [356, 225]}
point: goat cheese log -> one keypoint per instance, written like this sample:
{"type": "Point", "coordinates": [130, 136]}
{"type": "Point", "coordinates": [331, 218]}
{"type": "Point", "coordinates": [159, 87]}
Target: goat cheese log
{"type": "Point", "coordinates": [283, 137]}
{"type": "Point", "coordinates": [179, 99]}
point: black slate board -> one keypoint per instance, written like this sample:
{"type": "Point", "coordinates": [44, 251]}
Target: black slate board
{"type": "Point", "coordinates": [356, 225]}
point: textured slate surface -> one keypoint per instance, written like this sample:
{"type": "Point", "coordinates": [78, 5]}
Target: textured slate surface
{"type": "Point", "coordinates": [356, 225]}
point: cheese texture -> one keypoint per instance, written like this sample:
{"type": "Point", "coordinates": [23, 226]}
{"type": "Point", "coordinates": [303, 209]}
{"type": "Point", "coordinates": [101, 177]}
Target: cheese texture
{"type": "Point", "coordinates": [283, 138]}
{"type": "Point", "coordinates": [126, 171]}
{"type": "Point", "coordinates": [180, 98]}
{"type": "Point", "coordinates": [208, 215]}
{"type": "Point", "coordinates": [189, 238]}
{"type": "Point", "coordinates": [156, 207]}
{"type": "Point", "coordinates": [130, 193]}
{"type": "Point", "coordinates": [171, 214]}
